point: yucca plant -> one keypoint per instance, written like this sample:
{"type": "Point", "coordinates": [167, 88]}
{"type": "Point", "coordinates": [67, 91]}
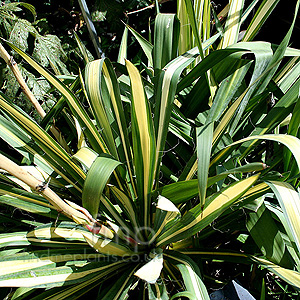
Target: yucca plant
{"type": "Point", "coordinates": [158, 161]}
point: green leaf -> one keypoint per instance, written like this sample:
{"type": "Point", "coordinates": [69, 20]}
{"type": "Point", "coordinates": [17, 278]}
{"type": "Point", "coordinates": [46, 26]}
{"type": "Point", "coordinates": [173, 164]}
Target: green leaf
{"type": "Point", "coordinates": [190, 274]}
{"type": "Point", "coordinates": [266, 235]}
{"type": "Point", "coordinates": [127, 205]}
{"type": "Point", "coordinates": [166, 32]}
{"type": "Point", "coordinates": [90, 130]}
{"type": "Point", "coordinates": [94, 87]}
{"type": "Point", "coordinates": [123, 47]}
{"type": "Point", "coordinates": [43, 259]}
{"type": "Point", "coordinates": [204, 144]}
{"type": "Point", "coordinates": [96, 180]}
{"type": "Point", "coordinates": [194, 25]}
{"type": "Point", "coordinates": [120, 288]}
{"type": "Point", "coordinates": [261, 15]}
{"type": "Point", "coordinates": [104, 90]}
{"type": "Point", "coordinates": [183, 191]}
{"type": "Point", "coordinates": [198, 218]}
{"type": "Point", "coordinates": [289, 141]}
{"type": "Point", "coordinates": [233, 23]}
{"type": "Point", "coordinates": [289, 201]}
{"type": "Point", "coordinates": [57, 276]}
{"type": "Point", "coordinates": [166, 88]}
{"type": "Point", "coordinates": [289, 276]}
{"type": "Point", "coordinates": [146, 46]}
{"type": "Point", "coordinates": [56, 154]}
{"type": "Point", "coordinates": [143, 141]}
{"type": "Point", "coordinates": [107, 246]}
{"type": "Point", "coordinates": [157, 291]}
{"type": "Point", "coordinates": [84, 52]}
{"type": "Point", "coordinates": [13, 239]}
{"type": "Point", "coordinates": [86, 156]}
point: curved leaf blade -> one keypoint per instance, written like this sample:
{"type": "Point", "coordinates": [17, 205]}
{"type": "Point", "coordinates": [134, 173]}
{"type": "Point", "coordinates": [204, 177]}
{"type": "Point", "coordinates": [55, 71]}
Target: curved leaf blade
{"type": "Point", "coordinates": [96, 180]}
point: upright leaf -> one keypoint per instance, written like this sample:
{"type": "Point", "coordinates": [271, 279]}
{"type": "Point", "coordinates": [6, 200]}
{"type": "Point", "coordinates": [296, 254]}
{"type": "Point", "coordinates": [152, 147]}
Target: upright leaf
{"type": "Point", "coordinates": [143, 142]}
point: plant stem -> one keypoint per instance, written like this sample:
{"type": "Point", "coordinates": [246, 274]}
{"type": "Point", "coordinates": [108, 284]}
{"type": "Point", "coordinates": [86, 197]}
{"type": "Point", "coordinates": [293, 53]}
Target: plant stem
{"type": "Point", "coordinates": [9, 60]}
{"type": "Point", "coordinates": [14, 68]}
{"type": "Point", "coordinates": [42, 188]}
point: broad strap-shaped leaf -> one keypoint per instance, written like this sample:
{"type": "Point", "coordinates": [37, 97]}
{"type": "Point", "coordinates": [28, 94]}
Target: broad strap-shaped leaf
{"type": "Point", "coordinates": [233, 23]}
{"type": "Point", "coordinates": [204, 144]}
{"type": "Point", "coordinates": [270, 64]}
{"type": "Point", "coordinates": [127, 205]}
{"type": "Point", "coordinates": [267, 237]}
{"type": "Point", "coordinates": [143, 139]}
{"type": "Point", "coordinates": [290, 276]}
{"type": "Point", "coordinates": [95, 88]}
{"type": "Point", "coordinates": [198, 218]}
{"type": "Point", "coordinates": [262, 13]}
{"type": "Point", "coordinates": [209, 62]}
{"type": "Point", "coordinates": [56, 154]}
{"type": "Point", "coordinates": [194, 26]}
{"type": "Point", "coordinates": [227, 91]}
{"type": "Point", "coordinates": [20, 141]}
{"type": "Point", "coordinates": [182, 191]}
{"type": "Point", "coordinates": [111, 99]}
{"type": "Point", "coordinates": [107, 246]}
{"type": "Point", "coordinates": [292, 142]}
{"type": "Point", "coordinates": [286, 77]}
{"type": "Point", "coordinates": [119, 289]}
{"type": "Point", "coordinates": [63, 234]}
{"type": "Point", "coordinates": [293, 129]}
{"type": "Point", "coordinates": [158, 291]}
{"type": "Point", "coordinates": [27, 201]}
{"type": "Point", "coordinates": [58, 276]}
{"type": "Point", "coordinates": [115, 214]}
{"type": "Point", "coordinates": [90, 130]}
{"type": "Point", "coordinates": [166, 90]}
{"type": "Point", "coordinates": [123, 47]}
{"type": "Point", "coordinates": [166, 33]}
{"type": "Point", "coordinates": [190, 274]}
{"type": "Point", "coordinates": [278, 113]}
{"type": "Point", "coordinates": [103, 90]}
{"type": "Point", "coordinates": [96, 180]}
{"type": "Point", "coordinates": [13, 239]}
{"type": "Point", "coordinates": [84, 52]}
{"type": "Point", "coordinates": [185, 37]}
{"type": "Point", "coordinates": [289, 201]}
{"type": "Point", "coordinates": [66, 292]}
{"type": "Point", "coordinates": [91, 28]}
{"type": "Point", "coordinates": [86, 156]}
{"type": "Point", "coordinates": [44, 258]}
{"type": "Point", "coordinates": [146, 46]}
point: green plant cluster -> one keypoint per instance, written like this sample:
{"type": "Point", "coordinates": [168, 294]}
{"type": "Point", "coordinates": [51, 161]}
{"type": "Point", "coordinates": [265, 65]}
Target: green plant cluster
{"type": "Point", "coordinates": [165, 178]}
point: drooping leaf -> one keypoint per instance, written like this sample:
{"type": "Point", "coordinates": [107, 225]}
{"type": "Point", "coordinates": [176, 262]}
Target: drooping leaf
{"type": "Point", "coordinates": [97, 177]}
{"type": "Point", "coordinates": [190, 275]}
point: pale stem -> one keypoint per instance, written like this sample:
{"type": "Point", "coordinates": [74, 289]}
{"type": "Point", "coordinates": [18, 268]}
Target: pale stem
{"type": "Point", "coordinates": [42, 188]}
{"type": "Point", "coordinates": [14, 68]}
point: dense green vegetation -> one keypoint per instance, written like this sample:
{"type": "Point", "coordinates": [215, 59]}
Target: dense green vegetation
{"type": "Point", "coordinates": [163, 172]}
